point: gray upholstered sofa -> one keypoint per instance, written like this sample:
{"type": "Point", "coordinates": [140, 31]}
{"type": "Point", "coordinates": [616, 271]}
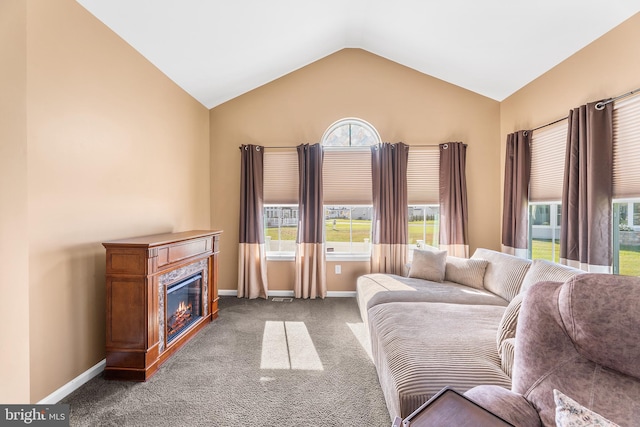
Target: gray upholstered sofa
{"type": "Point", "coordinates": [457, 330]}
{"type": "Point", "coordinates": [577, 356]}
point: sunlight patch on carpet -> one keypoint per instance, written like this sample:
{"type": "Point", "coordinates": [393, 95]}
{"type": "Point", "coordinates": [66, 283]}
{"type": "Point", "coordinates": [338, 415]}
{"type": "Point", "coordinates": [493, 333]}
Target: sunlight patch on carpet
{"type": "Point", "coordinates": [362, 336]}
{"type": "Point", "coordinates": [288, 345]}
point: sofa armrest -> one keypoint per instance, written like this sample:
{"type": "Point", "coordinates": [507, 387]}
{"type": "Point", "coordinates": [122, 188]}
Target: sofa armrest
{"type": "Point", "coordinates": [511, 406]}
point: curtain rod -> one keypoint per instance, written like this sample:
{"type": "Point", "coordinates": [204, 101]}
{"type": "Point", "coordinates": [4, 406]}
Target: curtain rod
{"type": "Point", "coordinates": [275, 147]}
{"type": "Point", "coordinates": [293, 146]}
{"type": "Point", "coordinates": [599, 106]}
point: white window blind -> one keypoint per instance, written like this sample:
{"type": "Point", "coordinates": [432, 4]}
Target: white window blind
{"type": "Point", "coordinates": [547, 163]}
{"type": "Point", "coordinates": [626, 148]}
{"type": "Point", "coordinates": [423, 175]}
{"type": "Point", "coordinates": [281, 176]}
{"type": "Point", "coordinates": [346, 174]}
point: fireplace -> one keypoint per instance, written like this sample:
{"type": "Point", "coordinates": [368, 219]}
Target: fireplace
{"type": "Point", "coordinates": [161, 291]}
{"type": "Point", "coordinates": [184, 305]}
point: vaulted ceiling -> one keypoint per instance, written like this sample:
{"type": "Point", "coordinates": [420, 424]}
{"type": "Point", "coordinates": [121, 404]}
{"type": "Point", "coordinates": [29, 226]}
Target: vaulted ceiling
{"type": "Point", "coordinates": [217, 50]}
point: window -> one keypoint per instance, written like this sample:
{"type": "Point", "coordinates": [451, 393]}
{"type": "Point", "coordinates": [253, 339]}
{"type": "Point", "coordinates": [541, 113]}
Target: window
{"type": "Point", "coordinates": [423, 183]}
{"type": "Point", "coordinates": [423, 226]}
{"type": "Point", "coordinates": [348, 229]}
{"type": "Point", "coordinates": [280, 229]}
{"type": "Point", "coordinates": [350, 132]}
{"type": "Point", "coordinates": [626, 237]}
{"type": "Point", "coordinates": [281, 202]}
{"type": "Point", "coordinates": [545, 191]}
{"type": "Point", "coordinates": [347, 186]}
{"type": "Point", "coordinates": [347, 193]}
{"type": "Point", "coordinates": [544, 231]}
{"type": "Point", "coordinates": [626, 187]}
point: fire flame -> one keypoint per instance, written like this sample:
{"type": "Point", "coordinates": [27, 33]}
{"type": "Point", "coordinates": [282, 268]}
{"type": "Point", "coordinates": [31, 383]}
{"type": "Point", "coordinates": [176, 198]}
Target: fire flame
{"type": "Point", "coordinates": [182, 307]}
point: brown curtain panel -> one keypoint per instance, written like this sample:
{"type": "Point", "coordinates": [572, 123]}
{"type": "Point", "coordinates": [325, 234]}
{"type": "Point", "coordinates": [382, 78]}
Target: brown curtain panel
{"type": "Point", "coordinates": [453, 199]}
{"type": "Point", "coordinates": [252, 265]}
{"type": "Point", "coordinates": [390, 208]}
{"type": "Point", "coordinates": [585, 232]}
{"type": "Point", "coordinates": [310, 257]}
{"type": "Point", "coordinates": [517, 170]}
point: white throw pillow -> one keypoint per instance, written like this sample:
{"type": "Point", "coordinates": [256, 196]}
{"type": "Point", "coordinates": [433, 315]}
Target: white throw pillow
{"type": "Point", "coordinates": [570, 413]}
{"type": "Point", "coordinates": [428, 265]}
{"type": "Point", "coordinates": [509, 321]}
{"type": "Point", "coordinates": [468, 272]}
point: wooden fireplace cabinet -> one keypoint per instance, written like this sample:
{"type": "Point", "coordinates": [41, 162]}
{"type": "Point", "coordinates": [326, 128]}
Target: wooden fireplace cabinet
{"type": "Point", "coordinates": [138, 272]}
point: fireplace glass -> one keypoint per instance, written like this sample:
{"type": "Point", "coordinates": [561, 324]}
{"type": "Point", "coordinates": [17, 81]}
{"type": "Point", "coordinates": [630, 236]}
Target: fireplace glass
{"type": "Point", "coordinates": [184, 305]}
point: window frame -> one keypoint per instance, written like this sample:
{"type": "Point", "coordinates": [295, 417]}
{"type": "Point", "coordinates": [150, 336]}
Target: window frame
{"type": "Point", "coordinates": [555, 209]}
{"type": "Point", "coordinates": [630, 223]}
{"type": "Point", "coordinates": [357, 150]}
{"type": "Point", "coordinates": [350, 255]}
{"type": "Point", "coordinates": [349, 121]}
{"type": "Point", "coordinates": [278, 255]}
{"type": "Point", "coordinates": [435, 242]}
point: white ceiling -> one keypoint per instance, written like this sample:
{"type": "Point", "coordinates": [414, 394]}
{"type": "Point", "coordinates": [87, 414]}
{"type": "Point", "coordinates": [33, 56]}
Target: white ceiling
{"type": "Point", "coordinates": [217, 50]}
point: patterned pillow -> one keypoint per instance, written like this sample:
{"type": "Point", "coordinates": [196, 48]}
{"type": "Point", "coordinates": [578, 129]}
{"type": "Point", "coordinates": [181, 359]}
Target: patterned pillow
{"type": "Point", "coordinates": [570, 413]}
{"type": "Point", "coordinates": [468, 272]}
{"type": "Point", "coordinates": [428, 265]}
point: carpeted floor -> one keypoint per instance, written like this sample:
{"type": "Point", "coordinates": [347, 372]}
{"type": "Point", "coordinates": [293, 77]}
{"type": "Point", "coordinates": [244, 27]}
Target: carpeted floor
{"type": "Point", "coordinates": [314, 371]}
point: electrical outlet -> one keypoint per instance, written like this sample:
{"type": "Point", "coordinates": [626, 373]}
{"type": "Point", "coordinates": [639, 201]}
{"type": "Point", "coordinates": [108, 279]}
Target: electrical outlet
{"type": "Point", "coordinates": [338, 269]}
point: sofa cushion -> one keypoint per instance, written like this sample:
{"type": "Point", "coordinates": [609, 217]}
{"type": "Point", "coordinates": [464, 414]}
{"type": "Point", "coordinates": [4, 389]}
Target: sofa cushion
{"type": "Point", "coordinates": [570, 413]}
{"type": "Point", "coordinates": [504, 273]}
{"type": "Point", "coordinates": [379, 288]}
{"type": "Point", "coordinates": [468, 272]}
{"type": "Point", "coordinates": [581, 337]}
{"type": "Point", "coordinates": [542, 270]}
{"type": "Point", "coordinates": [419, 348]}
{"type": "Point", "coordinates": [428, 265]}
{"type": "Point", "coordinates": [596, 311]}
{"type": "Point", "coordinates": [509, 321]}
{"type": "Point", "coordinates": [505, 404]}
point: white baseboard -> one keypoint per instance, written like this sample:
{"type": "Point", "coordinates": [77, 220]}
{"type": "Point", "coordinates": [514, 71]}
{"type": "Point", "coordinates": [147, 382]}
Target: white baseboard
{"type": "Point", "coordinates": [341, 294]}
{"type": "Point", "coordinates": [280, 294]}
{"type": "Point", "coordinates": [74, 384]}
{"type": "Point", "coordinates": [330, 294]}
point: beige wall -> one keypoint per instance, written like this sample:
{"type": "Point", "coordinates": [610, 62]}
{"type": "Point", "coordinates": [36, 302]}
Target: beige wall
{"type": "Point", "coordinates": [97, 144]}
{"type": "Point", "coordinates": [403, 105]}
{"type": "Point", "coordinates": [14, 246]}
{"type": "Point", "coordinates": [606, 68]}
{"type": "Point", "coordinates": [114, 149]}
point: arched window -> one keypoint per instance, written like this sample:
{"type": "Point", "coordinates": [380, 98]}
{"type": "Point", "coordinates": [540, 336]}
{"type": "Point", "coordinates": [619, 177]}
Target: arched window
{"type": "Point", "coordinates": [350, 132]}
{"type": "Point", "coordinates": [347, 186]}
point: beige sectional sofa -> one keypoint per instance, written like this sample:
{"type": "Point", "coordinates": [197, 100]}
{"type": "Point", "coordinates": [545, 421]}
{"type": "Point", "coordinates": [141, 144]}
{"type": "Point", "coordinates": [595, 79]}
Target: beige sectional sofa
{"type": "Point", "coordinates": [451, 324]}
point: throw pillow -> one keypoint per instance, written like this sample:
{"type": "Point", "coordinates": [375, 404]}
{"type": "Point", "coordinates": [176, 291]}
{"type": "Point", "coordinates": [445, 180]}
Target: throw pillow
{"type": "Point", "coordinates": [508, 355]}
{"type": "Point", "coordinates": [570, 413]}
{"type": "Point", "coordinates": [504, 273]}
{"type": "Point", "coordinates": [428, 265]}
{"type": "Point", "coordinates": [542, 270]}
{"type": "Point", "coordinates": [468, 272]}
{"type": "Point", "coordinates": [509, 321]}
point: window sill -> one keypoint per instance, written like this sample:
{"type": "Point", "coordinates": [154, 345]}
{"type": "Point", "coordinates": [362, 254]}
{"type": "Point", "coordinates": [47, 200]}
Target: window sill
{"type": "Point", "coordinates": [281, 256]}
{"type": "Point", "coordinates": [331, 257]}
{"type": "Point", "coordinates": [348, 257]}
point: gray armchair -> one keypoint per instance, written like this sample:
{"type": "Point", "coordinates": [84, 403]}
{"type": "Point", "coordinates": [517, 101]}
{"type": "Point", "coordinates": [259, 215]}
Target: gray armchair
{"type": "Point", "coordinates": [582, 338]}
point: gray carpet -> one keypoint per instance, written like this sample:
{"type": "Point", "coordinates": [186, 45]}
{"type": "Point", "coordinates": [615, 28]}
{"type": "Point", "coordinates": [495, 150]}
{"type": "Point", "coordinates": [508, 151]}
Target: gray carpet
{"type": "Point", "coordinates": [217, 380]}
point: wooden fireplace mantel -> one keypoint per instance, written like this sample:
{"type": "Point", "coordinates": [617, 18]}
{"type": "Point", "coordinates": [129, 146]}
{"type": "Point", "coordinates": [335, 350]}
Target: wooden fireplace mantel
{"type": "Point", "coordinates": [138, 272]}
